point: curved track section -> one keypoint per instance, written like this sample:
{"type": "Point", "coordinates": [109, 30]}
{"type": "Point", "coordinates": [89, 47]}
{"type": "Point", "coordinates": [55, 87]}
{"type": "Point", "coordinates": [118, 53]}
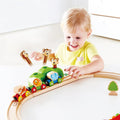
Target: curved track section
{"type": "Point", "coordinates": [13, 112]}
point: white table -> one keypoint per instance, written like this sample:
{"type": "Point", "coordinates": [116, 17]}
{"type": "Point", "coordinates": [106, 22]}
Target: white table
{"type": "Point", "coordinates": [85, 99]}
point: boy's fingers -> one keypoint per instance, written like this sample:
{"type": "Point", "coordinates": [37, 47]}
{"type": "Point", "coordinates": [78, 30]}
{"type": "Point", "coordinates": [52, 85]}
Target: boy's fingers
{"type": "Point", "coordinates": [76, 71]}
{"type": "Point", "coordinates": [67, 69]}
{"type": "Point", "coordinates": [77, 74]}
{"type": "Point", "coordinates": [73, 69]}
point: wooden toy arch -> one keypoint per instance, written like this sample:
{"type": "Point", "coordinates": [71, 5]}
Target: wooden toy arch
{"type": "Point", "coordinates": [13, 112]}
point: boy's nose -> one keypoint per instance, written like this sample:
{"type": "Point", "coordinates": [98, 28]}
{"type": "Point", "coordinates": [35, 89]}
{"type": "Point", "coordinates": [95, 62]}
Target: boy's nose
{"type": "Point", "coordinates": [72, 40]}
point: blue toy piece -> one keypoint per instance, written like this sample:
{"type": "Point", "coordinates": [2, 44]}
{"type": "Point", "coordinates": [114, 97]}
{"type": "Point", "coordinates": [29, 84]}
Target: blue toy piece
{"type": "Point", "coordinates": [53, 78]}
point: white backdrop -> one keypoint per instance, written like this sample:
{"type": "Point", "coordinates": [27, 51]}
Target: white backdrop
{"type": "Point", "coordinates": [22, 14]}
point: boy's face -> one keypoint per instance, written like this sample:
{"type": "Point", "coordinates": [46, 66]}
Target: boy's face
{"type": "Point", "coordinates": [76, 40]}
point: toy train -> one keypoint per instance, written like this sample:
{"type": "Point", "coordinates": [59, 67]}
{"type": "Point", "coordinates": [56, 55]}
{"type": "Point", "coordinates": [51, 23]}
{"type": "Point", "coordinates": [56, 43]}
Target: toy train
{"type": "Point", "coordinates": [46, 76]}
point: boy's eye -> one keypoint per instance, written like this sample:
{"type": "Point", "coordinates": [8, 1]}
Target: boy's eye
{"type": "Point", "coordinates": [68, 37]}
{"type": "Point", "coordinates": [77, 37]}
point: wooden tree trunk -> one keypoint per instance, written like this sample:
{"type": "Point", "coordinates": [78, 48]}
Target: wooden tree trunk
{"type": "Point", "coordinates": [113, 93]}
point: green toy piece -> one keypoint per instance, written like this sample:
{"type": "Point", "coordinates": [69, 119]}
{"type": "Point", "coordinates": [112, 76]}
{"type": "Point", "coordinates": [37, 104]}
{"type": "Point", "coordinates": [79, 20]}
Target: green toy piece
{"type": "Point", "coordinates": [117, 114]}
{"type": "Point", "coordinates": [42, 74]}
{"type": "Point", "coordinates": [113, 88]}
{"type": "Point", "coordinates": [59, 80]}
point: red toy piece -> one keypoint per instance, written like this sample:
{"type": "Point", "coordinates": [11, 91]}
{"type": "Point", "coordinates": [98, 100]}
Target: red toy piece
{"type": "Point", "coordinates": [43, 86]}
{"type": "Point", "coordinates": [33, 89]}
{"type": "Point", "coordinates": [116, 118]}
{"type": "Point", "coordinates": [16, 97]}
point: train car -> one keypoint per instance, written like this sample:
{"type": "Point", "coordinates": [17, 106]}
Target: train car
{"type": "Point", "coordinates": [48, 75]}
{"type": "Point", "coordinates": [21, 94]}
{"type": "Point", "coordinates": [36, 84]}
{"type": "Point", "coordinates": [53, 78]}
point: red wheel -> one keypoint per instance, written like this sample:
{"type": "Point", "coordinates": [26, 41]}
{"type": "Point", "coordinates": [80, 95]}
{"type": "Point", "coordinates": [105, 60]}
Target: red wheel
{"type": "Point", "coordinates": [33, 89]}
{"type": "Point", "coordinates": [43, 86]}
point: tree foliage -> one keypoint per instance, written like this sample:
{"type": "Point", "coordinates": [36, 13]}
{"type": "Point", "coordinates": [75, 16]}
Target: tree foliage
{"type": "Point", "coordinates": [113, 86]}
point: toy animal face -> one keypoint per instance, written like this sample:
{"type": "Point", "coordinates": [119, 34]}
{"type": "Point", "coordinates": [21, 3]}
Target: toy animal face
{"type": "Point", "coordinates": [37, 82]}
{"type": "Point", "coordinates": [25, 54]}
{"type": "Point", "coordinates": [55, 61]}
{"type": "Point", "coordinates": [46, 52]}
{"type": "Point", "coordinates": [21, 90]}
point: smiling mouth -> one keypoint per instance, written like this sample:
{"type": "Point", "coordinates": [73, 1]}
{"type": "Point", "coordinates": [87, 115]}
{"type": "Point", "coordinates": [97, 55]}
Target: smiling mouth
{"type": "Point", "coordinates": [74, 46]}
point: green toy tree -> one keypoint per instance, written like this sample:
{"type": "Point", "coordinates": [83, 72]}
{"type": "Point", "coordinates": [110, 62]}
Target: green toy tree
{"type": "Point", "coordinates": [113, 88]}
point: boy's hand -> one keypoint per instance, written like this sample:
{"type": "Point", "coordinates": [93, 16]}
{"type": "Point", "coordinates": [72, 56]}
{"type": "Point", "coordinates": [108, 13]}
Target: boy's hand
{"type": "Point", "coordinates": [75, 71]}
{"type": "Point", "coordinates": [37, 56]}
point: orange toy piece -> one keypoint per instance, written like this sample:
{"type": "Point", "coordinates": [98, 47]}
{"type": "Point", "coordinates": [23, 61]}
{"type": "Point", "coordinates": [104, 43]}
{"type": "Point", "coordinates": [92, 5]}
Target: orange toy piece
{"type": "Point", "coordinates": [19, 89]}
{"type": "Point", "coordinates": [24, 55]}
{"type": "Point", "coordinates": [37, 82]}
{"type": "Point", "coordinates": [51, 56]}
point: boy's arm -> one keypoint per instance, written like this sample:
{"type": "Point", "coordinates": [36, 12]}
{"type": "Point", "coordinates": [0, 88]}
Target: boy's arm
{"type": "Point", "coordinates": [96, 65]}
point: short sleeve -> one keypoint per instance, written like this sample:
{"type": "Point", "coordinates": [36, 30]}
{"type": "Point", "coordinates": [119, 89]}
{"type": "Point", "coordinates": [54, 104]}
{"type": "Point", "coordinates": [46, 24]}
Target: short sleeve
{"type": "Point", "coordinates": [91, 51]}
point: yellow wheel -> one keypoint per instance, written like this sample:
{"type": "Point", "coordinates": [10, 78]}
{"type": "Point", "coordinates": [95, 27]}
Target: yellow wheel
{"type": "Point", "coordinates": [19, 98]}
{"type": "Point", "coordinates": [27, 93]}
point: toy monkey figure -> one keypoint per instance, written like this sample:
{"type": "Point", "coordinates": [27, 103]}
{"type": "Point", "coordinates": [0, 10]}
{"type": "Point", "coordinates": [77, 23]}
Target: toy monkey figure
{"type": "Point", "coordinates": [46, 53]}
{"type": "Point", "coordinates": [20, 89]}
{"type": "Point", "coordinates": [55, 62]}
{"type": "Point", "coordinates": [24, 55]}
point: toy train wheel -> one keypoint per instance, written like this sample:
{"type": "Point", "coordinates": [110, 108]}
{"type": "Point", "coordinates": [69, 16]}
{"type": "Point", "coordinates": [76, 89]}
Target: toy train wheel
{"type": "Point", "coordinates": [20, 98]}
{"type": "Point", "coordinates": [33, 89]}
{"type": "Point", "coordinates": [43, 86]}
{"type": "Point", "coordinates": [27, 93]}
{"type": "Point", "coordinates": [59, 80]}
{"type": "Point", "coordinates": [51, 83]}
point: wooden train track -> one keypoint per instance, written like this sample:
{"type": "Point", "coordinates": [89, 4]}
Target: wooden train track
{"type": "Point", "coordinates": [13, 112]}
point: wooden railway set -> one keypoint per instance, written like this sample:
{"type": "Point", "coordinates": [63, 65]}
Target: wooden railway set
{"type": "Point", "coordinates": [13, 112]}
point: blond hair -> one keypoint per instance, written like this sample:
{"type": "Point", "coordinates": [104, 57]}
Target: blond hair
{"type": "Point", "coordinates": [74, 18]}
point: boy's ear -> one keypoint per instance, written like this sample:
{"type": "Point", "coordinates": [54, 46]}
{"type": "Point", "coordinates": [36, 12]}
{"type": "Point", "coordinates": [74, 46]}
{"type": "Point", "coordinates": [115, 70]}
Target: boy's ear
{"type": "Point", "coordinates": [89, 33]}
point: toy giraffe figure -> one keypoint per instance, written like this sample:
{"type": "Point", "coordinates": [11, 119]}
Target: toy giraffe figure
{"type": "Point", "coordinates": [45, 53]}
{"type": "Point", "coordinates": [55, 62]}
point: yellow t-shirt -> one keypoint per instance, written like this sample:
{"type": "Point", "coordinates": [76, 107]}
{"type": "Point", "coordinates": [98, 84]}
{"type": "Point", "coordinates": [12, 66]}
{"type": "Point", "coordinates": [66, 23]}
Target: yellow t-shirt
{"type": "Point", "coordinates": [81, 56]}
